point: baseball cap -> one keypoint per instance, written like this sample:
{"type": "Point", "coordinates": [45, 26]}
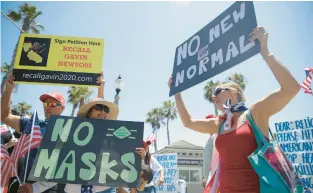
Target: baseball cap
{"type": "Point", "coordinates": [55, 95]}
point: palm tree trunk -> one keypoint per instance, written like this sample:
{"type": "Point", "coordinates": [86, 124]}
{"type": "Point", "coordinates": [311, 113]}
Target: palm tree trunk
{"type": "Point", "coordinates": [168, 132]}
{"type": "Point", "coordinates": [81, 102]}
{"type": "Point", "coordinates": [155, 142]}
{"type": "Point", "coordinates": [216, 111]}
{"type": "Point", "coordinates": [73, 110]}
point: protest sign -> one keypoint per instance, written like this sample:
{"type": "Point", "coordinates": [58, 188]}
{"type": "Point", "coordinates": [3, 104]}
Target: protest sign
{"type": "Point", "coordinates": [218, 46]}
{"type": "Point", "coordinates": [89, 151]}
{"type": "Point", "coordinates": [169, 164]}
{"type": "Point", "coordinates": [295, 138]}
{"type": "Point", "coordinates": [58, 60]}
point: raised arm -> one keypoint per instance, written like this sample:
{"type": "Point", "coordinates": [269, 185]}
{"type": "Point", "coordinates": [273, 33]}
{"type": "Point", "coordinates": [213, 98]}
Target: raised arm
{"type": "Point", "coordinates": [6, 115]}
{"type": "Point", "coordinates": [277, 100]}
{"type": "Point", "coordinates": [200, 125]}
{"type": "Point", "coordinates": [101, 81]}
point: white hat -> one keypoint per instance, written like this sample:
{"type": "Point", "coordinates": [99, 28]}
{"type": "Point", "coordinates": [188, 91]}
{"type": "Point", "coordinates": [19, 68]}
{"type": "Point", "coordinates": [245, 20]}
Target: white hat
{"type": "Point", "coordinates": [114, 110]}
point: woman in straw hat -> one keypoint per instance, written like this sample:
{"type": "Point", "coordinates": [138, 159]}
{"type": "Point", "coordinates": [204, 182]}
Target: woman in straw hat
{"type": "Point", "coordinates": [95, 109]}
{"type": "Point", "coordinates": [101, 109]}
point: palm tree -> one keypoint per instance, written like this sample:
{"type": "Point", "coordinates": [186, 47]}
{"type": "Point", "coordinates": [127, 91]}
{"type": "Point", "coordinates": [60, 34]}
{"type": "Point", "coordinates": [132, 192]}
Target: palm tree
{"type": "Point", "coordinates": [22, 108]}
{"type": "Point", "coordinates": [27, 15]}
{"type": "Point", "coordinates": [73, 97]}
{"type": "Point", "coordinates": [238, 79]}
{"type": "Point", "coordinates": [5, 68]}
{"type": "Point", "coordinates": [4, 71]}
{"type": "Point", "coordinates": [169, 113]}
{"type": "Point", "coordinates": [85, 94]}
{"type": "Point", "coordinates": [155, 118]}
{"type": "Point", "coordinates": [77, 96]}
{"type": "Point", "coordinates": [208, 92]}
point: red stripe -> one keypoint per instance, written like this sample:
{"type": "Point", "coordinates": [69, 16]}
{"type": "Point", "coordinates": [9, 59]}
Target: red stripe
{"type": "Point", "coordinates": [24, 145]}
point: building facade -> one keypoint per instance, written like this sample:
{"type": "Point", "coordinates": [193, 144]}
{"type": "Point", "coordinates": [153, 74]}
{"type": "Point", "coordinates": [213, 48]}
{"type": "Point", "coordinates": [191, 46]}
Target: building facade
{"type": "Point", "coordinates": [190, 162]}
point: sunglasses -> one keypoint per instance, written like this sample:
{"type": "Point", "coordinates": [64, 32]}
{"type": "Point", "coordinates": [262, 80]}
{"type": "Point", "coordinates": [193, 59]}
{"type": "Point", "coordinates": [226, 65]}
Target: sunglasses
{"type": "Point", "coordinates": [100, 107]}
{"type": "Point", "coordinates": [219, 90]}
{"type": "Point", "coordinates": [51, 105]}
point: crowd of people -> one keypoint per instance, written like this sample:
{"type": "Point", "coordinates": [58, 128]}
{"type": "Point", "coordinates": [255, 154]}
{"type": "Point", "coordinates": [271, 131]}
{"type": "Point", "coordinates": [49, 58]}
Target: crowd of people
{"type": "Point", "coordinates": [233, 137]}
{"type": "Point", "coordinates": [54, 104]}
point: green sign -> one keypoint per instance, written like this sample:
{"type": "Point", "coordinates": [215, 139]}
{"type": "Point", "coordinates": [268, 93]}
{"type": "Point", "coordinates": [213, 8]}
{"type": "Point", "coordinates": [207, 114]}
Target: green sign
{"type": "Point", "coordinates": [89, 151]}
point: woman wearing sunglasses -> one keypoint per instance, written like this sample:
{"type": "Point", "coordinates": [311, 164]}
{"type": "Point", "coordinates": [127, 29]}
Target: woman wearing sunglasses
{"type": "Point", "coordinates": [101, 109]}
{"type": "Point", "coordinates": [95, 109]}
{"type": "Point", "coordinates": [237, 140]}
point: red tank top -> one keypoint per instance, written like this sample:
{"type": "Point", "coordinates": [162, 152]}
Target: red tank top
{"type": "Point", "coordinates": [236, 173]}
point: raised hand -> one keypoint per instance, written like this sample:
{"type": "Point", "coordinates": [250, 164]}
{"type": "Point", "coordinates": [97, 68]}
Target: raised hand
{"type": "Point", "coordinates": [100, 80]}
{"type": "Point", "coordinates": [141, 152]}
{"type": "Point", "coordinates": [25, 188]}
{"type": "Point", "coordinates": [9, 82]}
{"type": "Point", "coordinates": [260, 34]}
{"type": "Point", "coordinates": [170, 81]}
{"type": "Point", "coordinates": [11, 143]}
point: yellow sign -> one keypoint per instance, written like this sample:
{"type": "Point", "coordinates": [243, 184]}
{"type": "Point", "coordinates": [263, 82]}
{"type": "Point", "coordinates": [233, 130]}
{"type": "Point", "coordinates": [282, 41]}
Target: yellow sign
{"type": "Point", "coordinates": [58, 60]}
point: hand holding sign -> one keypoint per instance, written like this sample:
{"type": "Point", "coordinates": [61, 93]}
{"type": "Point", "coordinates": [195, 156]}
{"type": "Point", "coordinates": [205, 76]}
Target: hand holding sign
{"type": "Point", "coordinates": [220, 45]}
{"type": "Point", "coordinates": [170, 81]}
{"type": "Point", "coordinates": [100, 79]}
{"type": "Point", "coordinates": [11, 143]}
{"type": "Point", "coordinates": [260, 34]}
{"type": "Point", "coordinates": [141, 152]}
{"type": "Point", "coordinates": [9, 82]}
{"type": "Point", "coordinates": [160, 181]}
{"type": "Point", "coordinates": [25, 188]}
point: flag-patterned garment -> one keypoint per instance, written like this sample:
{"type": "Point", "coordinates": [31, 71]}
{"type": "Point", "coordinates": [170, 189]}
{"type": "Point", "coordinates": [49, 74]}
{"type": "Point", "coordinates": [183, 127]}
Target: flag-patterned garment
{"type": "Point", "coordinates": [30, 139]}
{"type": "Point", "coordinates": [5, 161]}
{"type": "Point", "coordinates": [3, 129]}
{"type": "Point", "coordinates": [306, 85]}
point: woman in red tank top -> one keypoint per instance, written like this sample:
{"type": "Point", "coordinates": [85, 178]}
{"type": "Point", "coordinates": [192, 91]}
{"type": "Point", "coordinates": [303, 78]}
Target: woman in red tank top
{"type": "Point", "coordinates": [237, 141]}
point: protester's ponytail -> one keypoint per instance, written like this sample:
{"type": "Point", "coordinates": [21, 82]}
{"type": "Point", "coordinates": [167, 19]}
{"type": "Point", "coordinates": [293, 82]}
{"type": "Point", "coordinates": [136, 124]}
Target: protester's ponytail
{"type": "Point", "coordinates": [148, 158]}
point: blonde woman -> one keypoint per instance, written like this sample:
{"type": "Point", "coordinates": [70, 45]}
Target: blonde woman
{"type": "Point", "coordinates": [237, 140]}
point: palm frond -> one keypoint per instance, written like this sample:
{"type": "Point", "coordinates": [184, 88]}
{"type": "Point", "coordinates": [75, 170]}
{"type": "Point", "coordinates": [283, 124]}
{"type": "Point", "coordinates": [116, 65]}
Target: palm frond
{"type": "Point", "coordinates": [15, 16]}
{"type": "Point", "coordinates": [38, 25]}
{"type": "Point", "coordinates": [35, 30]}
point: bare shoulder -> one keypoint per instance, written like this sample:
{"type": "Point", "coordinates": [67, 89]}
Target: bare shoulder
{"type": "Point", "coordinates": [12, 121]}
{"type": "Point", "coordinates": [261, 119]}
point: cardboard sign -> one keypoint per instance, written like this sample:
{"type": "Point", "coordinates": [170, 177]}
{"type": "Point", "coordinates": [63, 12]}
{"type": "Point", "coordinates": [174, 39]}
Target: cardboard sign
{"type": "Point", "coordinates": [220, 45]}
{"type": "Point", "coordinates": [58, 60]}
{"type": "Point", "coordinates": [295, 138]}
{"type": "Point", "coordinates": [89, 151]}
{"type": "Point", "coordinates": [169, 164]}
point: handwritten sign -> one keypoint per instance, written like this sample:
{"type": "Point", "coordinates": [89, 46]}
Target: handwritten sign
{"type": "Point", "coordinates": [58, 60]}
{"type": "Point", "coordinates": [295, 138]}
{"type": "Point", "coordinates": [169, 163]}
{"type": "Point", "coordinates": [89, 151]}
{"type": "Point", "coordinates": [218, 46]}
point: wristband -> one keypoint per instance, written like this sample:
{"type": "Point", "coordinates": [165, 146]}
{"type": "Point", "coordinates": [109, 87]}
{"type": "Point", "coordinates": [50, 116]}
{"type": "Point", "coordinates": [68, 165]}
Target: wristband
{"type": "Point", "coordinates": [269, 55]}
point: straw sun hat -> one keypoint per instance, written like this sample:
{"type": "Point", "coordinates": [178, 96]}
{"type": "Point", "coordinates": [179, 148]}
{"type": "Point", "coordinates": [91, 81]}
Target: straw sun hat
{"type": "Point", "coordinates": [114, 110]}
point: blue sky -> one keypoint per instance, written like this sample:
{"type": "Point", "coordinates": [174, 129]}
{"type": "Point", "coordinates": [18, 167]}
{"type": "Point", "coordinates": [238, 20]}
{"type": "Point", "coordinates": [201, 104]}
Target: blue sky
{"type": "Point", "coordinates": [140, 41]}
